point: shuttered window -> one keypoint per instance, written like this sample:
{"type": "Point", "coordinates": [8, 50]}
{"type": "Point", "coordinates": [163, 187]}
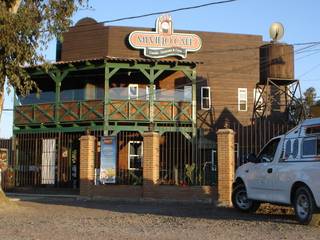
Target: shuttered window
{"type": "Point", "coordinates": [242, 99]}
{"type": "Point", "coordinates": [205, 98]}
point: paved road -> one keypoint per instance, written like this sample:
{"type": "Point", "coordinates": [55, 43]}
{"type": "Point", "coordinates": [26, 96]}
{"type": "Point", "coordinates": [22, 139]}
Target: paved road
{"type": "Point", "coordinates": [45, 218]}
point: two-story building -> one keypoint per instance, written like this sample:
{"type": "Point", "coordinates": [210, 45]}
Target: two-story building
{"type": "Point", "coordinates": [121, 82]}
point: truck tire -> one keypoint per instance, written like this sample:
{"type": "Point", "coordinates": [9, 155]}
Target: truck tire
{"type": "Point", "coordinates": [304, 207]}
{"type": "Point", "coordinates": [240, 200]}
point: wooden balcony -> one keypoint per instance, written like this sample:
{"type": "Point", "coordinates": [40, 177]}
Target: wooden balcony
{"type": "Point", "coordinates": [93, 111]}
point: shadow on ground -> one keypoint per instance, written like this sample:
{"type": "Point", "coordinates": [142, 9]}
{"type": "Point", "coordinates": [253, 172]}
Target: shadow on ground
{"type": "Point", "coordinates": [266, 213]}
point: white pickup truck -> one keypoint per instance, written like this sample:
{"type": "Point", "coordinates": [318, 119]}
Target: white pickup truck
{"type": "Point", "coordinates": [285, 172]}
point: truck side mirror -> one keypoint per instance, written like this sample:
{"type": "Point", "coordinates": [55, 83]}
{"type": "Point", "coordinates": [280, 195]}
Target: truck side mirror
{"type": "Point", "coordinates": [252, 158]}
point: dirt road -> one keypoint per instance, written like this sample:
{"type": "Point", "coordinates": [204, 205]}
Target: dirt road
{"type": "Point", "coordinates": [52, 219]}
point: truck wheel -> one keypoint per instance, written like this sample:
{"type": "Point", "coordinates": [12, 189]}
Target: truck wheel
{"type": "Point", "coordinates": [240, 200]}
{"type": "Point", "coordinates": [304, 206]}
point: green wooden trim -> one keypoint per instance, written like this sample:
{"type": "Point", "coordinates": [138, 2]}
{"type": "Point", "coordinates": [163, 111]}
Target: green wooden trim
{"type": "Point", "coordinates": [151, 95]}
{"type": "Point", "coordinates": [45, 129]}
{"type": "Point", "coordinates": [151, 70]}
{"type": "Point", "coordinates": [36, 107]}
{"type": "Point", "coordinates": [182, 111]}
{"type": "Point", "coordinates": [31, 120]}
{"type": "Point", "coordinates": [68, 111]}
{"type": "Point", "coordinates": [58, 76]}
{"type": "Point", "coordinates": [194, 103]}
{"type": "Point", "coordinates": [91, 109]}
{"type": "Point", "coordinates": [187, 135]}
{"type": "Point", "coordinates": [162, 109]}
{"type": "Point", "coordinates": [158, 73]}
{"type": "Point", "coordinates": [139, 109]}
{"type": "Point", "coordinates": [119, 109]}
{"type": "Point", "coordinates": [92, 65]}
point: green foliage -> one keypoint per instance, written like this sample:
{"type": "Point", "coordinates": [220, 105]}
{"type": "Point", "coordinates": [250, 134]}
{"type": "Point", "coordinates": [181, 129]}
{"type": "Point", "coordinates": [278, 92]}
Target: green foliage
{"type": "Point", "coordinates": [309, 98]}
{"type": "Point", "coordinates": [189, 171]}
{"type": "Point", "coordinates": [136, 180]}
{"type": "Point", "coordinates": [24, 36]}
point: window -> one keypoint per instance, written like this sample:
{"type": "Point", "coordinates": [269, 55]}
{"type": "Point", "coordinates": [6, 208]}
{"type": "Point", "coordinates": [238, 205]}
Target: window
{"type": "Point", "coordinates": [205, 98]}
{"type": "Point", "coordinates": [242, 99]}
{"type": "Point", "coordinates": [133, 91]}
{"type": "Point", "coordinates": [311, 147]}
{"type": "Point", "coordinates": [258, 100]}
{"type": "Point", "coordinates": [187, 93]}
{"type": "Point", "coordinates": [295, 148]}
{"type": "Point", "coordinates": [135, 155]}
{"type": "Point", "coordinates": [313, 130]}
{"type": "Point", "coordinates": [148, 92]}
{"type": "Point", "coordinates": [268, 152]}
{"type": "Point", "coordinates": [287, 152]}
{"type": "Point", "coordinates": [48, 164]}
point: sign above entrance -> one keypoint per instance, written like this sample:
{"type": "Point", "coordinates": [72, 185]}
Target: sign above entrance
{"type": "Point", "coordinates": [164, 42]}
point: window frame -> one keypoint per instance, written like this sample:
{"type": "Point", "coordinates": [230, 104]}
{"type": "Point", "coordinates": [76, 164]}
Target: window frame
{"type": "Point", "coordinates": [302, 147]}
{"type": "Point", "coordinates": [260, 156]}
{"type": "Point", "coordinates": [207, 98]}
{"type": "Point", "coordinates": [135, 155]}
{"type": "Point", "coordinates": [129, 95]}
{"type": "Point", "coordinates": [239, 100]}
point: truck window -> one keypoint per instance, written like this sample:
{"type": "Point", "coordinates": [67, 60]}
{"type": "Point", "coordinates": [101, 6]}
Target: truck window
{"type": "Point", "coordinates": [311, 147]}
{"type": "Point", "coordinates": [287, 152]}
{"type": "Point", "coordinates": [268, 152]}
{"type": "Point", "coordinates": [295, 148]}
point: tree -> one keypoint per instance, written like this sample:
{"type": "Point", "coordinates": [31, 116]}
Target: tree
{"type": "Point", "coordinates": [26, 27]}
{"type": "Point", "coordinates": [309, 98]}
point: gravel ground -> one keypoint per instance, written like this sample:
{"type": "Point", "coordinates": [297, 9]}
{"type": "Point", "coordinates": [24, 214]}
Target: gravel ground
{"type": "Point", "coordinates": [47, 218]}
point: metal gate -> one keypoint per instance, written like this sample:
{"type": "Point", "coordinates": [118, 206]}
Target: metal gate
{"type": "Point", "coordinates": [251, 138]}
{"type": "Point", "coordinates": [187, 161]}
{"type": "Point", "coordinates": [53, 159]}
{"type": "Point", "coordinates": [47, 159]}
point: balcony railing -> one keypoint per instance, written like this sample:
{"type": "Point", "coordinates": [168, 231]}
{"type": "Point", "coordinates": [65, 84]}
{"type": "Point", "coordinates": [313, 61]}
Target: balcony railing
{"type": "Point", "coordinates": [93, 110]}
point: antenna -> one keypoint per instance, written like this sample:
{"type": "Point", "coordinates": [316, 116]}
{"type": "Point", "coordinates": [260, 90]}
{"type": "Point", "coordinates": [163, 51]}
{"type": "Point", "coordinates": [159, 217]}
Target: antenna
{"type": "Point", "coordinates": [276, 31]}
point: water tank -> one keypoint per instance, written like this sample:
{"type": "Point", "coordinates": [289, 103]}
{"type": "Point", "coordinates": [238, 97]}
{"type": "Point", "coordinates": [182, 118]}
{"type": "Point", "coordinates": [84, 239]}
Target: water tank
{"type": "Point", "coordinates": [277, 62]}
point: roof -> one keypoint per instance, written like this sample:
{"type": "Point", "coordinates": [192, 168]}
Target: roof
{"type": "Point", "coordinates": [311, 121]}
{"type": "Point", "coordinates": [124, 60]}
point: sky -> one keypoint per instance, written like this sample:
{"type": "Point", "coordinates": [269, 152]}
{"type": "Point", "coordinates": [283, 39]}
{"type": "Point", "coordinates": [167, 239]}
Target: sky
{"type": "Point", "coordinates": [300, 19]}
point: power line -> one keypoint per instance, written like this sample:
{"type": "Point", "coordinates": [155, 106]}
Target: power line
{"type": "Point", "coordinates": [310, 70]}
{"type": "Point", "coordinates": [155, 13]}
{"type": "Point", "coordinates": [167, 11]}
{"type": "Point", "coordinates": [146, 15]}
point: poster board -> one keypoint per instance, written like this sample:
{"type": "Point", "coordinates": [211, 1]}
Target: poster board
{"type": "Point", "coordinates": [3, 159]}
{"type": "Point", "coordinates": [108, 156]}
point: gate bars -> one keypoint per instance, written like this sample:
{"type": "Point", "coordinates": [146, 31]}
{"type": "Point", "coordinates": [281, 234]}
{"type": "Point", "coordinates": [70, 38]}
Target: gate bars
{"type": "Point", "coordinates": [251, 138]}
{"type": "Point", "coordinates": [52, 159]}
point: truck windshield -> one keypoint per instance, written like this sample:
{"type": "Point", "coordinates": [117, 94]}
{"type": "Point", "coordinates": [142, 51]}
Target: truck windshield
{"type": "Point", "coordinates": [268, 152]}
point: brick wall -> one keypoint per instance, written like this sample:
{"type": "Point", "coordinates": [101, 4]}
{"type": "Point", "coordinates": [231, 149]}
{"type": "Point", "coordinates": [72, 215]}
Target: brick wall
{"type": "Point", "coordinates": [150, 188]}
{"type": "Point", "coordinates": [226, 165]}
{"type": "Point", "coordinates": [87, 154]}
{"type": "Point", "coordinates": [151, 158]}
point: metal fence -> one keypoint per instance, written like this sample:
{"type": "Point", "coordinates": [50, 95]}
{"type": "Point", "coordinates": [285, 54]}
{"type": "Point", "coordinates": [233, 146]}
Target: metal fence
{"type": "Point", "coordinates": [186, 161]}
{"type": "Point", "coordinates": [251, 138]}
{"type": "Point", "coordinates": [46, 159]}
{"type": "Point", "coordinates": [53, 159]}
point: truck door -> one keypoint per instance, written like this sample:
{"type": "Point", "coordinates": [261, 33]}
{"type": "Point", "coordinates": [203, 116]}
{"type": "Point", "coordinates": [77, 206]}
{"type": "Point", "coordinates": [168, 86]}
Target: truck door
{"type": "Point", "coordinates": [261, 176]}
